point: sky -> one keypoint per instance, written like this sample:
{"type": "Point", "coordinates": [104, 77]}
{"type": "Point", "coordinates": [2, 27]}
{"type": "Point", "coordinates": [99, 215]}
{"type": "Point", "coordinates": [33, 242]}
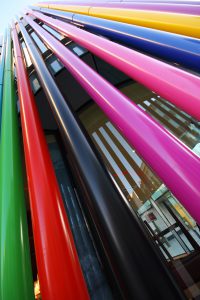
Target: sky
{"type": "Point", "coordinates": [9, 8]}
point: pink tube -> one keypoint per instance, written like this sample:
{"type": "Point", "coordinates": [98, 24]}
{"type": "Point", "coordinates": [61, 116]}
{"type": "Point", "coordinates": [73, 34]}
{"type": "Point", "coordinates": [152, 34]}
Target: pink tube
{"type": "Point", "coordinates": [180, 2]}
{"type": "Point", "coordinates": [165, 7]}
{"type": "Point", "coordinates": [179, 87]}
{"type": "Point", "coordinates": [175, 164]}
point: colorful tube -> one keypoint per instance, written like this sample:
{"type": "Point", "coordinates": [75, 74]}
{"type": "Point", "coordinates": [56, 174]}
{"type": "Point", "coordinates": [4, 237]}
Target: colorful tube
{"type": "Point", "coordinates": [1, 75]}
{"type": "Point", "coordinates": [119, 251]}
{"type": "Point", "coordinates": [165, 7]}
{"type": "Point", "coordinates": [161, 1]}
{"type": "Point", "coordinates": [16, 276]}
{"type": "Point", "coordinates": [184, 87]}
{"type": "Point", "coordinates": [173, 22]}
{"type": "Point", "coordinates": [167, 156]}
{"type": "Point", "coordinates": [59, 270]}
{"type": "Point", "coordinates": [171, 47]}
{"type": "Point", "coordinates": [180, 2]}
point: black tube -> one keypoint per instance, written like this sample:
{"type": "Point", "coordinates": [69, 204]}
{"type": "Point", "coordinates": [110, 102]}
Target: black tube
{"type": "Point", "coordinates": [135, 262]}
{"type": "Point", "coordinates": [92, 270]}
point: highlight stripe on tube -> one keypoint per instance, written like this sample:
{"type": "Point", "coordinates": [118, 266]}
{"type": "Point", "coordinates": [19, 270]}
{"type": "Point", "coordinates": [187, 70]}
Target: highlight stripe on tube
{"type": "Point", "coordinates": [16, 275]}
{"type": "Point", "coordinates": [120, 252]}
{"type": "Point", "coordinates": [179, 87]}
{"type": "Point", "coordinates": [173, 162]}
{"type": "Point", "coordinates": [1, 75]}
{"type": "Point", "coordinates": [162, 7]}
{"type": "Point", "coordinates": [59, 270]}
{"type": "Point", "coordinates": [151, 41]}
{"type": "Point", "coordinates": [172, 22]}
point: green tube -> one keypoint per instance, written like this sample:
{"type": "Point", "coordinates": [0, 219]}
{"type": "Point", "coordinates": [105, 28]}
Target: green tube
{"type": "Point", "coordinates": [1, 75]}
{"type": "Point", "coordinates": [15, 274]}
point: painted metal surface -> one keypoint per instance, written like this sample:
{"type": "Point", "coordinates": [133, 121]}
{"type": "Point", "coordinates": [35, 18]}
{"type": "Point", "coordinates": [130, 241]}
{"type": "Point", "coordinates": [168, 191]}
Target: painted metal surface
{"type": "Point", "coordinates": [2, 74]}
{"type": "Point", "coordinates": [15, 273]}
{"type": "Point", "coordinates": [171, 47]}
{"type": "Point", "coordinates": [184, 87]}
{"type": "Point", "coordinates": [58, 265]}
{"type": "Point", "coordinates": [161, 150]}
{"type": "Point", "coordinates": [165, 7]}
{"type": "Point", "coordinates": [180, 2]}
{"type": "Point", "coordinates": [161, 1]}
{"type": "Point", "coordinates": [172, 22]}
{"type": "Point", "coordinates": [121, 253]}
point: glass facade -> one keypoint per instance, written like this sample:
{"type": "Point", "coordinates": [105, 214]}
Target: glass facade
{"type": "Point", "coordinates": [171, 227]}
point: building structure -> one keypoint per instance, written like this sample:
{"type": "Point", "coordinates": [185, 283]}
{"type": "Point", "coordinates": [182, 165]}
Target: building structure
{"type": "Point", "coordinates": [107, 173]}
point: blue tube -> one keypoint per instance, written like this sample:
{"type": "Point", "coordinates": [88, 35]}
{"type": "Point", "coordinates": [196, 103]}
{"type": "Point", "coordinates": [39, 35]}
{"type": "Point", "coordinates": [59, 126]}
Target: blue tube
{"type": "Point", "coordinates": [170, 47]}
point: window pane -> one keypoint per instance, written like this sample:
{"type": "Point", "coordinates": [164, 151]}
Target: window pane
{"type": "Point", "coordinates": [174, 231]}
{"type": "Point", "coordinates": [26, 55]}
{"type": "Point", "coordinates": [78, 50]}
{"type": "Point", "coordinates": [35, 85]}
{"type": "Point", "coordinates": [39, 43]}
{"type": "Point", "coordinates": [53, 32]}
{"type": "Point", "coordinates": [54, 64]}
{"type": "Point", "coordinates": [181, 125]}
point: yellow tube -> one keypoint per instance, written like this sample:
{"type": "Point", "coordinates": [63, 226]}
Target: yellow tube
{"type": "Point", "coordinates": [177, 23]}
{"type": "Point", "coordinates": [64, 7]}
{"type": "Point", "coordinates": [172, 22]}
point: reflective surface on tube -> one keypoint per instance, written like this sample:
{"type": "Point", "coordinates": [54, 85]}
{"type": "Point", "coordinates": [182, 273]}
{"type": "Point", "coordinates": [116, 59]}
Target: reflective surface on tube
{"type": "Point", "coordinates": [172, 228]}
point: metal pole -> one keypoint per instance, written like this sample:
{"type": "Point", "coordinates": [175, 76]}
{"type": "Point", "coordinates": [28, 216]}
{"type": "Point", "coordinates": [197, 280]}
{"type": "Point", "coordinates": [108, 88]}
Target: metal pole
{"type": "Point", "coordinates": [171, 22]}
{"type": "Point", "coordinates": [142, 68]}
{"type": "Point", "coordinates": [15, 273]}
{"type": "Point", "coordinates": [127, 250]}
{"type": "Point", "coordinates": [58, 265]}
{"type": "Point", "coordinates": [161, 150]}
{"type": "Point", "coordinates": [150, 41]}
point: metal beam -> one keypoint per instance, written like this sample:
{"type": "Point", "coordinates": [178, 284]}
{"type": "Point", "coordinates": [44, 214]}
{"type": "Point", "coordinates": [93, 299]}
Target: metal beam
{"type": "Point", "coordinates": [170, 47]}
{"type": "Point", "coordinates": [58, 265]}
{"type": "Point", "coordinates": [179, 87]}
{"type": "Point", "coordinates": [16, 280]}
{"type": "Point", "coordinates": [167, 156]}
{"type": "Point", "coordinates": [171, 22]}
{"type": "Point", "coordinates": [122, 241]}
{"type": "Point", "coordinates": [1, 75]}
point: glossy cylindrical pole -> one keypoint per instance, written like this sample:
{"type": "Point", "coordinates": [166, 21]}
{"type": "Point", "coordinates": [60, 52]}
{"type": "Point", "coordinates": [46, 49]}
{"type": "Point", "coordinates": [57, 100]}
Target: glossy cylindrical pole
{"type": "Point", "coordinates": [15, 273]}
{"type": "Point", "coordinates": [172, 22]}
{"type": "Point", "coordinates": [59, 270]}
{"type": "Point", "coordinates": [122, 253]}
{"type": "Point", "coordinates": [165, 7]}
{"type": "Point", "coordinates": [83, 2]}
{"type": "Point", "coordinates": [179, 87]}
{"type": "Point", "coordinates": [170, 47]}
{"type": "Point", "coordinates": [125, 1]}
{"type": "Point", "coordinates": [1, 75]}
{"type": "Point", "coordinates": [161, 1]}
{"type": "Point", "coordinates": [161, 150]}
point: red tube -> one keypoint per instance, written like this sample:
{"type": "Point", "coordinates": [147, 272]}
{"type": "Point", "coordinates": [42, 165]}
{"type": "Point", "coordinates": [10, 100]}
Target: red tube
{"type": "Point", "coordinates": [59, 270]}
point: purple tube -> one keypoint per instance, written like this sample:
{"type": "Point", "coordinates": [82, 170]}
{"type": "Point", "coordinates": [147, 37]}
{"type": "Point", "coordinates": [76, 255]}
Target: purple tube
{"type": "Point", "coordinates": [124, 1]}
{"type": "Point", "coordinates": [165, 7]}
{"type": "Point", "coordinates": [179, 87]}
{"type": "Point", "coordinates": [175, 164]}
{"type": "Point", "coordinates": [160, 1]}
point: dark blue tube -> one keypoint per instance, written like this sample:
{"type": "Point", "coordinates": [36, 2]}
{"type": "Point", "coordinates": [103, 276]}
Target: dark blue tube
{"type": "Point", "coordinates": [170, 47]}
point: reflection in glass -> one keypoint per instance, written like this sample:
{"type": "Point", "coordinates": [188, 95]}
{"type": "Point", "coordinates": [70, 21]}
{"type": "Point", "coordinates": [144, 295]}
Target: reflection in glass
{"type": "Point", "coordinates": [35, 85]}
{"type": "Point", "coordinates": [54, 64]}
{"type": "Point", "coordinates": [172, 228]}
{"type": "Point", "coordinates": [26, 55]}
{"type": "Point", "coordinates": [38, 42]}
